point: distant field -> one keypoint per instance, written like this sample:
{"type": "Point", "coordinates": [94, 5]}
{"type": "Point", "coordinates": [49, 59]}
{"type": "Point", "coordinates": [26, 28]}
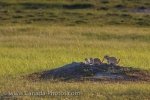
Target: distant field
{"type": "Point", "coordinates": [75, 12]}
{"type": "Point", "coordinates": [46, 34]}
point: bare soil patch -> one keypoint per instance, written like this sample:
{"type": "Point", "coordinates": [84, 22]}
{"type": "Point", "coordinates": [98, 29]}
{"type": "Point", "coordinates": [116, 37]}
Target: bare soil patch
{"type": "Point", "coordinates": [78, 71]}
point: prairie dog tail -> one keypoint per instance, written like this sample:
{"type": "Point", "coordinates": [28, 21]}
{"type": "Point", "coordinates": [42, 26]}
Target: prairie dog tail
{"type": "Point", "coordinates": [118, 61]}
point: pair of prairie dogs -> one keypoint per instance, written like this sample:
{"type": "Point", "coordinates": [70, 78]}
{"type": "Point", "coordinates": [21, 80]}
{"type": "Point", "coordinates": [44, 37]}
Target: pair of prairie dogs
{"type": "Point", "coordinates": [110, 60]}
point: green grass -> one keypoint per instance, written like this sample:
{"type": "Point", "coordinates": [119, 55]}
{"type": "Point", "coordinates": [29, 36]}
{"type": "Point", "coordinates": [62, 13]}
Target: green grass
{"type": "Point", "coordinates": [28, 48]}
{"type": "Point", "coordinates": [87, 90]}
{"type": "Point", "coordinates": [46, 34]}
{"type": "Point", "coordinates": [32, 48]}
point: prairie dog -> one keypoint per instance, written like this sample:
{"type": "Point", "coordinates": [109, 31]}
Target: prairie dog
{"type": "Point", "coordinates": [92, 61]}
{"type": "Point", "coordinates": [97, 61]}
{"type": "Point", "coordinates": [87, 61]}
{"type": "Point", "coordinates": [111, 60]}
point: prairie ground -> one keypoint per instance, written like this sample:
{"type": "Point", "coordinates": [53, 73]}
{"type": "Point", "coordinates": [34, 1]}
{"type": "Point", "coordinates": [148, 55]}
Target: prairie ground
{"type": "Point", "coordinates": [42, 35]}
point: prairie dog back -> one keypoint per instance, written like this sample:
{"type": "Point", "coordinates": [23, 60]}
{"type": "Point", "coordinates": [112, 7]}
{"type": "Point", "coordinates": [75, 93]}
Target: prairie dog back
{"type": "Point", "coordinates": [111, 60]}
{"type": "Point", "coordinates": [97, 61]}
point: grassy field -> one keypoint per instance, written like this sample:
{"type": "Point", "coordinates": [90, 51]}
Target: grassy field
{"type": "Point", "coordinates": [26, 49]}
{"type": "Point", "coordinates": [46, 34]}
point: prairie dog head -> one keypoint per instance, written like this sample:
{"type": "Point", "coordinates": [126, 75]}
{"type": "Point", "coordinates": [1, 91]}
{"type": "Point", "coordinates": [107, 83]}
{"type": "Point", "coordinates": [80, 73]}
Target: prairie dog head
{"type": "Point", "coordinates": [106, 57]}
{"type": "Point", "coordinates": [91, 60]}
{"type": "Point", "coordinates": [86, 59]}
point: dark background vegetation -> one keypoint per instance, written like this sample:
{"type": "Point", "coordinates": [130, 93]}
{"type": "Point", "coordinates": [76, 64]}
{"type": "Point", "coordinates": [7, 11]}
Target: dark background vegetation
{"type": "Point", "coordinates": [75, 12]}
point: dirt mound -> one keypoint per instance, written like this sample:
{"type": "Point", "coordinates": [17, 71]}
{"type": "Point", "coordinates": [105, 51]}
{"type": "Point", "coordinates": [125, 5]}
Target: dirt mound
{"type": "Point", "coordinates": [80, 71]}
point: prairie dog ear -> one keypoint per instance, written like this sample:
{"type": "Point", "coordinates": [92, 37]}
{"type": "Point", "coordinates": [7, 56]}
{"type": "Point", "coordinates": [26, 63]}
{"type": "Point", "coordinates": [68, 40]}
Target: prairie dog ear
{"type": "Point", "coordinates": [106, 56]}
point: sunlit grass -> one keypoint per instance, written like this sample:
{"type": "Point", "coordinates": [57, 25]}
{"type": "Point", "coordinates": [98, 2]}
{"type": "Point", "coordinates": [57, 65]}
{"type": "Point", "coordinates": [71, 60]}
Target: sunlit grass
{"type": "Point", "coordinates": [32, 48]}
{"type": "Point", "coordinates": [87, 90]}
{"type": "Point", "coordinates": [27, 49]}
